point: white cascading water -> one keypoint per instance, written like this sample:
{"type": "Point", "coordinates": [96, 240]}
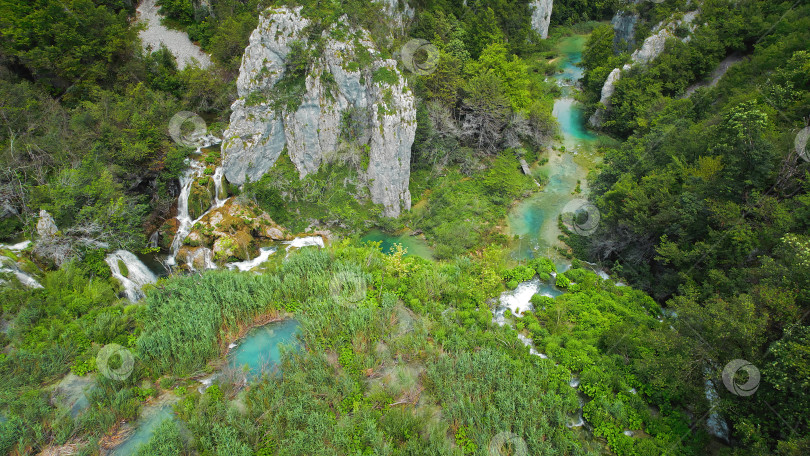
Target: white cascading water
{"type": "Point", "coordinates": [264, 254]}
{"type": "Point", "coordinates": [219, 191]}
{"type": "Point", "coordinates": [305, 242]}
{"type": "Point", "coordinates": [715, 423]}
{"type": "Point", "coordinates": [138, 274]}
{"type": "Point", "coordinates": [185, 223]}
{"type": "Point", "coordinates": [194, 171]}
{"type": "Point", "coordinates": [517, 300]}
{"type": "Point", "coordinates": [202, 255]}
{"type": "Point", "coordinates": [24, 278]}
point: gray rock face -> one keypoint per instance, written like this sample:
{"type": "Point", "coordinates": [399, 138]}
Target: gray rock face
{"type": "Point", "coordinates": [624, 28]}
{"type": "Point", "coordinates": [652, 47]}
{"type": "Point", "coordinates": [399, 11]}
{"type": "Point", "coordinates": [46, 227]}
{"type": "Point", "coordinates": [541, 16]}
{"type": "Point", "coordinates": [597, 119]}
{"type": "Point", "coordinates": [258, 133]}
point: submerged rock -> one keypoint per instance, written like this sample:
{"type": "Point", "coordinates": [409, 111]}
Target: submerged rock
{"type": "Point", "coordinates": [262, 124]}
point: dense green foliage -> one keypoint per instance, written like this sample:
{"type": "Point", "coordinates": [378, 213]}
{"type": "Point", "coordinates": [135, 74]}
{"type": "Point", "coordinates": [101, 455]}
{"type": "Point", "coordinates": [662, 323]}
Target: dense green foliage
{"type": "Point", "coordinates": [709, 200]}
{"type": "Point", "coordinates": [704, 211]}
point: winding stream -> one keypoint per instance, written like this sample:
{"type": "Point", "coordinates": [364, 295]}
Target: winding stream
{"type": "Point", "coordinates": [534, 220]}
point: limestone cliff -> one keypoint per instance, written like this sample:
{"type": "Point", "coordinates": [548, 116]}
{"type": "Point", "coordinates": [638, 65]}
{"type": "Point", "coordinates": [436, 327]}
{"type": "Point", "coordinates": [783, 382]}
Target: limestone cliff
{"type": "Point", "coordinates": [541, 16]}
{"type": "Point", "coordinates": [348, 73]}
{"type": "Point", "coordinates": [652, 47]}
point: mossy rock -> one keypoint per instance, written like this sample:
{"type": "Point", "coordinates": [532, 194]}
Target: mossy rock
{"type": "Point", "coordinates": [166, 234]}
{"type": "Point", "coordinates": [200, 197]}
{"type": "Point", "coordinates": [122, 268]}
{"type": "Point", "coordinates": [238, 246]}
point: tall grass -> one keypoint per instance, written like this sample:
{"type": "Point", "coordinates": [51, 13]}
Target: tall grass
{"type": "Point", "coordinates": [185, 318]}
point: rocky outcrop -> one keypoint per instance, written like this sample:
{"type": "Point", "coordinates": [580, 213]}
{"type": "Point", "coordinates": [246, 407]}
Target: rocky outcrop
{"type": "Point", "coordinates": [624, 30]}
{"type": "Point", "coordinates": [597, 119]}
{"type": "Point", "coordinates": [230, 232]}
{"type": "Point", "coordinates": [46, 227]}
{"type": "Point", "coordinates": [261, 128]}
{"type": "Point", "coordinates": [652, 47]}
{"type": "Point", "coordinates": [399, 11]}
{"type": "Point", "coordinates": [541, 16]}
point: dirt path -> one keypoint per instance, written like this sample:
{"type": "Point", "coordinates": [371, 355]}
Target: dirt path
{"type": "Point", "coordinates": [176, 41]}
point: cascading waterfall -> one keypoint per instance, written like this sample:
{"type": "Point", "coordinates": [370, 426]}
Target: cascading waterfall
{"type": "Point", "coordinates": [220, 195]}
{"type": "Point", "coordinates": [264, 255]}
{"type": "Point", "coordinates": [8, 265]}
{"type": "Point", "coordinates": [185, 223]}
{"type": "Point", "coordinates": [194, 171]}
{"type": "Point", "coordinates": [715, 423]}
{"type": "Point", "coordinates": [137, 273]}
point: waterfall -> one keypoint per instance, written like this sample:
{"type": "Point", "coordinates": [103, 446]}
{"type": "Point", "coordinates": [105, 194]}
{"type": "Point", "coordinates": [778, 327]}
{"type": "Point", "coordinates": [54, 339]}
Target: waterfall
{"type": "Point", "coordinates": [185, 223]}
{"type": "Point", "coordinates": [202, 255]}
{"type": "Point", "coordinates": [16, 247]}
{"type": "Point", "coordinates": [153, 239]}
{"type": "Point", "coordinates": [541, 16]}
{"type": "Point", "coordinates": [264, 254]}
{"type": "Point", "coordinates": [137, 275]}
{"type": "Point", "coordinates": [24, 278]}
{"type": "Point", "coordinates": [220, 194]}
{"type": "Point", "coordinates": [305, 242]}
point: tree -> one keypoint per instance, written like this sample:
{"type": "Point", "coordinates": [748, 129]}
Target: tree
{"type": "Point", "coordinates": [486, 110]}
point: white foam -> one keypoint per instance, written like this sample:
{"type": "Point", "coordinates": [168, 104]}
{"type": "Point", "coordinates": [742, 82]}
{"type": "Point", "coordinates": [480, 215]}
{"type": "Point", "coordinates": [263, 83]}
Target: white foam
{"type": "Point", "coordinates": [138, 273]}
{"type": "Point", "coordinates": [305, 242]}
{"type": "Point", "coordinates": [16, 247]}
{"type": "Point", "coordinates": [264, 255]}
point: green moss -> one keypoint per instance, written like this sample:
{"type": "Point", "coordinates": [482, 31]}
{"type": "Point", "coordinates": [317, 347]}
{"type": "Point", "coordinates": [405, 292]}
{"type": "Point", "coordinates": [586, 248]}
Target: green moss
{"type": "Point", "coordinates": [200, 196]}
{"type": "Point", "coordinates": [385, 75]}
{"type": "Point", "coordinates": [122, 268]}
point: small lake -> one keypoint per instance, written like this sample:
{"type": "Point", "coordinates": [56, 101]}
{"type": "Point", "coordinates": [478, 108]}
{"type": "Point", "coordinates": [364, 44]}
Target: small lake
{"type": "Point", "coordinates": [145, 427]}
{"type": "Point", "coordinates": [415, 245]}
{"type": "Point", "coordinates": [260, 349]}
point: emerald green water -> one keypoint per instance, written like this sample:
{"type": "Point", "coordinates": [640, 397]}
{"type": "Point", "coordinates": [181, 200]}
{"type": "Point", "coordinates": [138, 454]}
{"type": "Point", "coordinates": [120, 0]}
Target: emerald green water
{"type": "Point", "coordinates": [145, 427]}
{"type": "Point", "coordinates": [260, 348]}
{"type": "Point", "coordinates": [415, 245]}
{"type": "Point", "coordinates": [534, 220]}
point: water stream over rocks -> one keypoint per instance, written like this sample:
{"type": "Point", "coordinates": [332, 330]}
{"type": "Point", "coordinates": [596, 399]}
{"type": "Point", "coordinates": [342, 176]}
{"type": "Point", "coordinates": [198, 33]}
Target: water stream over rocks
{"type": "Point", "coordinates": [131, 272]}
